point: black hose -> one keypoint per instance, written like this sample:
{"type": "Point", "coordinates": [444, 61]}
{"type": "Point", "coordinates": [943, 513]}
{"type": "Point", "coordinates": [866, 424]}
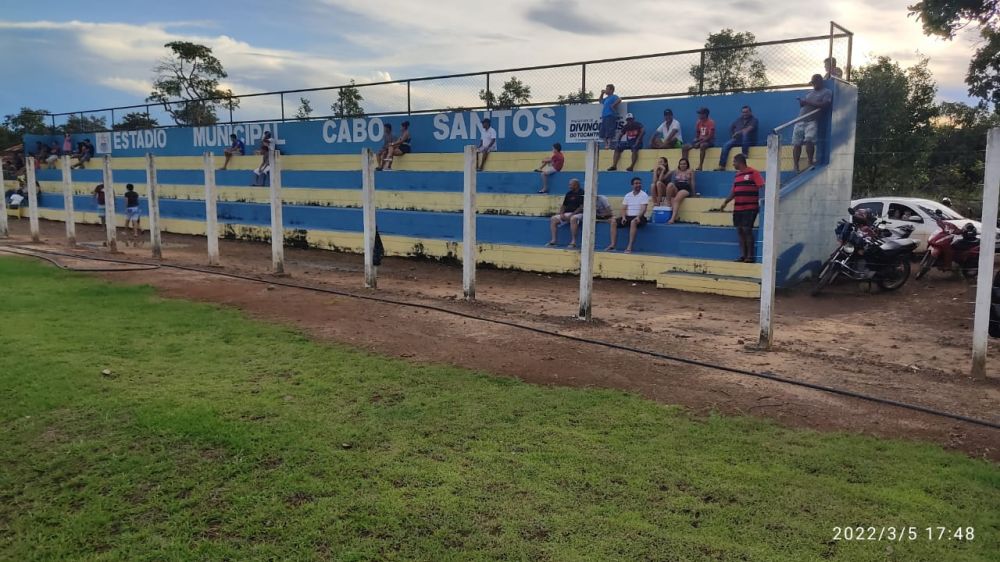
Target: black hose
{"type": "Point", "coordinates": [71, 268]}
{"type": "Point", "coordinates": [542, 331]}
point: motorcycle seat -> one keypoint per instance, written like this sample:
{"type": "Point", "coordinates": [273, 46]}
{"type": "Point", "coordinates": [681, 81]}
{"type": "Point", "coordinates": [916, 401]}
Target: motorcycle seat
{"type": "Point", "coordinates": [897, 246]}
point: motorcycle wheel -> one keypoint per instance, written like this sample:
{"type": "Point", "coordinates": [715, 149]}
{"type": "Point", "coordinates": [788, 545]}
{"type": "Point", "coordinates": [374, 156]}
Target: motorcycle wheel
{"type": "Point", "coordinates": [970, 269]}
{"type": "Point", "coordinates": [925, 264]}
{"type": "Point", "coordinates": [826, 276]}
{"type": "Point", "coordinates": [900, 273]}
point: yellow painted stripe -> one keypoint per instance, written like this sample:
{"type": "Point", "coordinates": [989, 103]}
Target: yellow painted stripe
{"type": "Point", "coordinates": [709, 284]}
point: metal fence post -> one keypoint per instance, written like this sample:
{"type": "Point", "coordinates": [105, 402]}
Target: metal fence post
{"type": "Point", "coordinates": [33, 201]}
{"type": "Point", "coordinates": [109, 206]}
{"type": "Point", "coordinates": [67, 181]}
{"type": "Point", "coordinates": [277, 223]}
{"type": "Point", "coordinates": [583, 78]}
{"type": "Point", "coordinates": [988, 238]}
{"type": "Point", "coordinates": [489, 94]}
{"type": "Point", "coordinates": [211, 212]}
{"type": "Point", "coordinates": [589, 235]}
{"type": "Point", "coordinates": [368, 206]}
{"type": "Point", "coordinates": [409, 110]}
{"type": "Point", "coordinates": [469, 252]}
{"type": "Point", "coordinates": [701, 74]}
{"type": "Point", "coordinates": [770, 254]}
{"type": "Point", "coordinates": [153, 193]}
{"type": "Point", "coordinates": [282, 94]}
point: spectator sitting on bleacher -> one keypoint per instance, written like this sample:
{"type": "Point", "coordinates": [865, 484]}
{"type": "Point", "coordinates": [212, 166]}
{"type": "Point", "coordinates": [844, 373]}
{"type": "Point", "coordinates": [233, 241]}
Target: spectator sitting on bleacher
{"type": "Point", "coordinates": [631, 139]}
{"type": "Point", "coordinates": [743, 132]}
{"type": "Point", "coordinates": [40, 154]}
{"type": "Point", "coordinates": [99, 198]}
{"type": "Point", "coordinates": [54, 154]}
{"type": "Point", "coordinates": [15, 197]}
{"type": "Point", "coordinates": [265, 163]}
{"type": "Point", "coordinates": [551, 165]}
{"type": "Point", "coordinates": [67, 146]}
{"type": "Point", "coordinates": [86, 153]}
{"type": "Point", "coordinates": [680, 187]}
{"type": "Point", "coordinates": [398, 147]}
{"type": "Point", "coordinates": [387, 140]}
{"type": "Point", "coordinates": [704, 136]}
{"type": "Point", "coordinates": [661, 177]}
{"type": "Point", "coordinates": [603, 213]}
{"type": "Point", "coordinates": [487, 144]}
{"type": "Point", "coordinates": [806, 131]}
{"type": "Point", "coordinates": [633, 215]}
{"type": "Point", "coordinates": [572, 205]}
{"type": "Point", "coordinates": [18, 164]}
{"type": "Point", "coordinates": [668, 134]}
{"type": "Point", "coordinates": [236, 146]}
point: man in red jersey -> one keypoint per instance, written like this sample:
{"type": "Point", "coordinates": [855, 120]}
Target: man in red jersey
{"type": "Point", "coordinates": [746, 194]}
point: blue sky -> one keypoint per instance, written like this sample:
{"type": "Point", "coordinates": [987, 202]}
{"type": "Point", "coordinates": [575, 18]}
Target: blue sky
{"type": "Point", "coordinates": [75, 55]}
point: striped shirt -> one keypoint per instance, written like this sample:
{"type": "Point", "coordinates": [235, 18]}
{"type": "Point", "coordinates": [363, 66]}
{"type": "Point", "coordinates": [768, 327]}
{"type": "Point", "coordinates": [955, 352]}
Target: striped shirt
{"type": "Point", "coordinates": [746, 189]}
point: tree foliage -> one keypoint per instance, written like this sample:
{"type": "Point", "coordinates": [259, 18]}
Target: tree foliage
{"type": "Point", "coordinates": [894, 133]}
{"type": "Point", "coordinates": [191, 72]}
{"type": "Point", "coordinates": [25, 122]}
{"type": "Point", "coordinates": [944, 18]}
{"type": "Point", "coordinates": [83, 124]}
{"type": "Point", "coordinates": [513, 93]}
{"type": "Point", "coordinates": [582, 96]}
{"type": "Point", "coordinates": [305, 109]}
{"type": "Point", "coordinates": [136, 121]}
{"type": "Point", "coordinates": [731, 63]}
{"type": "Point", "coordinates": [348, 102]}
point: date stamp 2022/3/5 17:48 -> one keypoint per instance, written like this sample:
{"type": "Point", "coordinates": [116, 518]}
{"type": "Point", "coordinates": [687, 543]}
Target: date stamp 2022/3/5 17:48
{"type": "Point", "coordinates": [904, 533]}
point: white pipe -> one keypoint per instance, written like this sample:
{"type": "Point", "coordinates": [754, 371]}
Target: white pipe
{"type": "Point", "coordinates": [987, 245]}
{"type": "Point", "coordinates": [589, 234]}
{"type": "Point", "coordinates": [469, 253]}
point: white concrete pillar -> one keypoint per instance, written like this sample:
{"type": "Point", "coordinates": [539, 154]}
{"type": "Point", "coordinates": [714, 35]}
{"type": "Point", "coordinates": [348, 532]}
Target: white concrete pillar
{"type": "Point", "coordinates": [153, 192]}
{"type": "Point", "coordinates": [277, 224]}
{"type": "Point", "coordinates": [368, 203]}
{"type": "Point", "coordinates": [988, 239]}
{"type": "Point", "coordinates": [769, 258]}
{"type": "Point", "coordinates": [469, 244]}
{"type": "Point", "coordinates": [109, 206]}
{"type": "Point", "coordinates": [67, 182]}
{"type": "Point", "coordinates": [588, 236]}
{"type": "Point", "coordinates": [211, 211]}
{"type": "Point", "coordinates": [33, 201]}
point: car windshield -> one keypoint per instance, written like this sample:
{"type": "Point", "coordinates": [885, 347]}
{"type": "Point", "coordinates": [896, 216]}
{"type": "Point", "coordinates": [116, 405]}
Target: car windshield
{"type": "Point", "coordinates": [932, 208]}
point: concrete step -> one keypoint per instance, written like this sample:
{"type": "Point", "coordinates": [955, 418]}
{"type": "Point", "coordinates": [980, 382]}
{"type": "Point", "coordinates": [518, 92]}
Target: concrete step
{"type": "Point", "coordinates": [733, 286]}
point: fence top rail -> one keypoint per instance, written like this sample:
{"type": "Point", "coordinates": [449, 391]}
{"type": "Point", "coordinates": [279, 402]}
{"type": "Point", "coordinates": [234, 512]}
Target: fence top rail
{"type": "Point", "coordinates": [828, 37]}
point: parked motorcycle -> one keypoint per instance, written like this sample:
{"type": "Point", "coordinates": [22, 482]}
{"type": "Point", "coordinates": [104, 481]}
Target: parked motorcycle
{"type": "Point", "coordinates": [951, 247]}
{"type": "Point", "coordinates": [863, 254]}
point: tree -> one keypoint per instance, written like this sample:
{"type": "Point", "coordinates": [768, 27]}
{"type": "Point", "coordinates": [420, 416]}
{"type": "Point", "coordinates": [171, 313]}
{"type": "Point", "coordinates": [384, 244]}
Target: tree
{"type": "Point", "coordinates": [304, 111]}
{"type": "Point", "coordinates": [956, 159]}
{"type": "Point", "coordinates": [945, 18]}
{"type": "Point", "coordinates": [191, 73]}
{"type": "Point", "coordinates": [894, 134]}
{"type": "Point", "coordinates": [136, 121]}
{"type": "Point", "coordinates": [84, 124]}
{"type": "Point", "coordinates": [513, 94]}
{"type": "Point", "coordinates": [731, 63]}
{"type": "Point", "coordinates": [348, 102]}
{"type": "Point", "coordinates": [582, 96]}
{"type": "Point", "coordinates": [27, 121]}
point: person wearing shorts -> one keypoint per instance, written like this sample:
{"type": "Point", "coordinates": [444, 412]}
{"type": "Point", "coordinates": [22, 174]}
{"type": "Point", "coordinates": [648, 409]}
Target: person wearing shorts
{"type": "Point", "coordinates": [631, 139]}
{"type": "Point", "coordinates": [572, 205]}
{"type": "Point", "coordinates": [806, 131]}
{"type": "Point", "coordinates": [487, 144]}
{"type": "Point", "coordinates": [746, 204]}
{"type": "Point", "coordinates": [704, 137]}
{"type": "Point", "coordinates": [668, 134]}
{"type": "Point", "coordinates": [603, 213]}
{"type": "Point", "coordinates": [552, 164]}
{"type": "Point", "coordinates": [132, 212]}
{"type": "Point", "coordinates": [396, 147]}
{"type": "Point", "coordinates": [633, 215]}
{"type": "Point", "coordinates": [99, 198]}
{"type": "Point", "coordinates": [236, 146]}
{"type": "Point", "coordinates": [609, 115]}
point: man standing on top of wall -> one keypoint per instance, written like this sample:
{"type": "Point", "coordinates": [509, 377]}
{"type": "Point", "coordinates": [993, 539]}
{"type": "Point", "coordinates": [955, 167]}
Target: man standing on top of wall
{"type": "Point", "coordinates": [609, 115]}
{"type": "Point", "coordinates": [806, 131]}
{"type": "Point", "coordinates": [746, 193]}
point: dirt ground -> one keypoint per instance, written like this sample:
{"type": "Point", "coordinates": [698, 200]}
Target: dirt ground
{"type": "Point", "coordinates": [912, 346]}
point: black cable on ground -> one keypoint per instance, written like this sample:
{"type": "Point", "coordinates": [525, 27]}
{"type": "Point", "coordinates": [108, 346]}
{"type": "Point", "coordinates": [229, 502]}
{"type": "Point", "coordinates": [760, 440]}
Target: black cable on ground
{"type": "Point", "coordinates": [6, 248]}
{"type": "Point", "coordinates": [694, 362]}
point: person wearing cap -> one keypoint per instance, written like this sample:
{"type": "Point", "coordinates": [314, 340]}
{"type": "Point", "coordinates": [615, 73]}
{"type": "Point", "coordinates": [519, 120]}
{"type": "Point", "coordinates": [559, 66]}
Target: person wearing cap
{"type": "Point", "coordinates": [743, 131]}
{"type": "Point", "coordinates": [487, 144]}
{"type": "Point", "coordinates": [704, 136]}
{"type": "Point", "coordinates": [609, 114]}
{"type": "Point", "coordinates": [630, 139]}
{"type": "Point", "coordinates": [668, 134]}
{"type": "Point", "coordinates": [806, 131]}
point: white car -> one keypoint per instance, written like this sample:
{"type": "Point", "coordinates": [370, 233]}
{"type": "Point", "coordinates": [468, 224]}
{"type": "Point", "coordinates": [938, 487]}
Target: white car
{"type": "Point", "coordinates": [917, 212]}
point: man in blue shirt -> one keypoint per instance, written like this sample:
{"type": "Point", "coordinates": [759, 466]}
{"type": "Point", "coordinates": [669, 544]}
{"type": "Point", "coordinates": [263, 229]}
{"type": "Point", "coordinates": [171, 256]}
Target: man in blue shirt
{"type": "Point", "coordinates": [609, 115]}
{"type": "Point", "coordinates": [237, 147]}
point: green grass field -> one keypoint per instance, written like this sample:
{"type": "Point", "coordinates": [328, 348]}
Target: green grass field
{"type": "Point", "coordinates": [217, 437]}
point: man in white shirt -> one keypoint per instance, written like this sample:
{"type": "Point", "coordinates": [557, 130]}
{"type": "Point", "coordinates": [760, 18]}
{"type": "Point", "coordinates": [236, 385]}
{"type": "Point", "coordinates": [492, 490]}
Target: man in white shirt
{"type": "Point", "coordinates": [633, 213]}
{"type": "Point", "coordinates": [487, 144]}
{"type": "Point", "coordinates": [668, 134]}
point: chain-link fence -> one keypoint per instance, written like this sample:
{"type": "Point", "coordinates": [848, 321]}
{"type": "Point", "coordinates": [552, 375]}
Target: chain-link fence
{"type": "Point", "coordinates": [771, 65]}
